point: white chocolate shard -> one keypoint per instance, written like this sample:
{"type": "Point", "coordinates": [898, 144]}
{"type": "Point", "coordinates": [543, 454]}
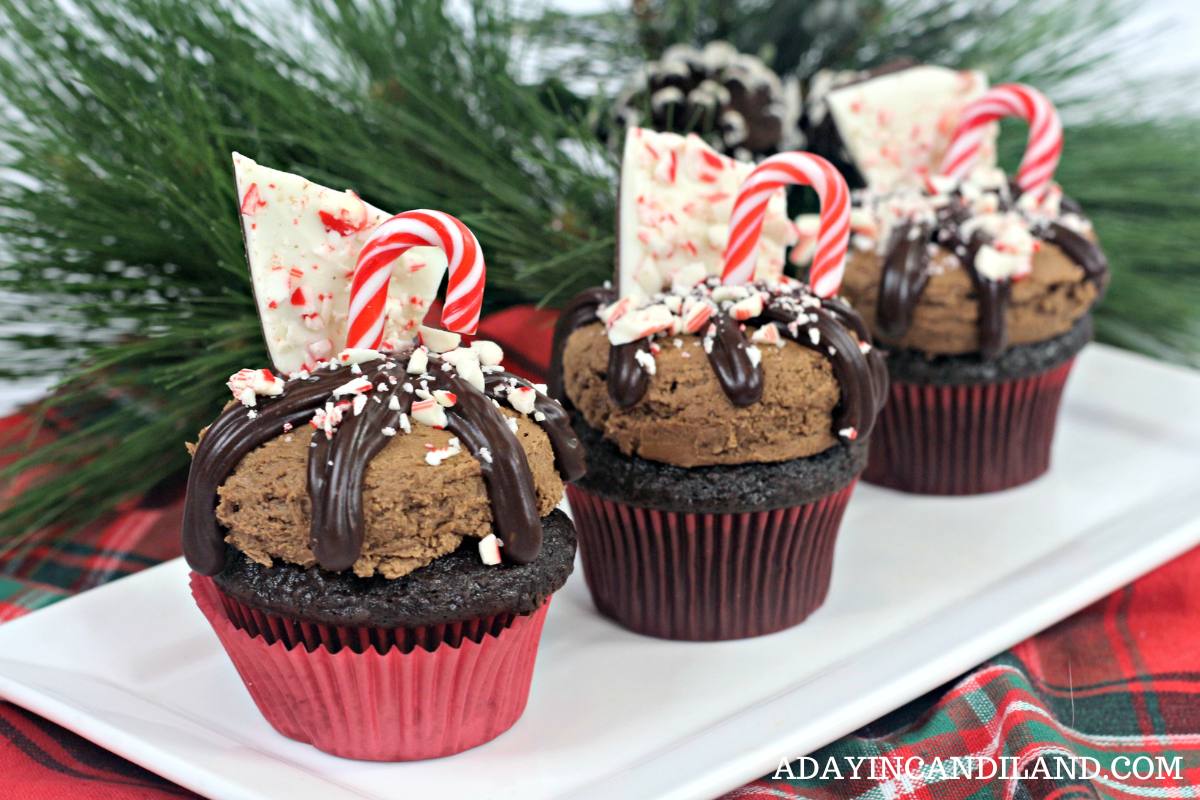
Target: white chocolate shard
{"type": "Point", "coordinates": [302, 242]}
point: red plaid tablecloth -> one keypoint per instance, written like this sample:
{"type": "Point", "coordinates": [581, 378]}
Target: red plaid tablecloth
{"type": "Point", "coordinates": [1115, 684]}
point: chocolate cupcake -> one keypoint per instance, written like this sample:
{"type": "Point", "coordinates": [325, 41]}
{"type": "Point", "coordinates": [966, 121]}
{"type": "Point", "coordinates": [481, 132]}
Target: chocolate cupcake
{"type": "Point", "coordinates": [979, 289]}
{"type": "Point", "coordinates": [725, 427]}
{"type": "Point", "coordinates": [982, 296]}
{"type": "Point", "coordinates": [345, 526]}
{"type": "Point", "coordinates": [374, 540]}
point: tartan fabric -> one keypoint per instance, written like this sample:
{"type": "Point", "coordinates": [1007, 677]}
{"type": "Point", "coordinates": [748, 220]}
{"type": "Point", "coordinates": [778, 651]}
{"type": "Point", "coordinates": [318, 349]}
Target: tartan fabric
{"type": "Point", "coordinates": [1119, 679]}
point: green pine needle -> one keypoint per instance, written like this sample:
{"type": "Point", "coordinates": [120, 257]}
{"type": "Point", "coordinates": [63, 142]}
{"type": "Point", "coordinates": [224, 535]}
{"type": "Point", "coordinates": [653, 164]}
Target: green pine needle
{"type": "Point", "coordinates": [121, 264]}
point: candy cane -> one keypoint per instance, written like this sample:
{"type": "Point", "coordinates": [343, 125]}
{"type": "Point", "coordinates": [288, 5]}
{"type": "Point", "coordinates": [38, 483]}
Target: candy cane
{"type": "Point", "coordinates": [750, 208]}
{"type": "Point", "coordinates": [419, 228]}
{"type": "Point", "coordinates": [1011, 99]}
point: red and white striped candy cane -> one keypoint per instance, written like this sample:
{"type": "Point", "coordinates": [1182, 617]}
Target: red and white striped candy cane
{"type": "Point", "coordinates": [419, 228]}
{"type": "Point", "coordinates": [1008, 100]}
{"type": "Point", "coordinates": [750, 209]}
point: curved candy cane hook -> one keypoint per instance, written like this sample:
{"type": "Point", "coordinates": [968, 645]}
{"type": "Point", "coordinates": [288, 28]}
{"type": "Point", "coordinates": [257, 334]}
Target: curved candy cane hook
{"type": "Point", "coordinates": [1009, 100]}
{"type": "Point", "coordinates": [417, 228]}
{"type": "Point", "coordinates": [750, 208]}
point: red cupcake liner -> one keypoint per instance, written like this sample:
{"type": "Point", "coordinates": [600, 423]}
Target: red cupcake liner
{"type": "Point", "coordinates": [383, 706]}
{"type": "Point", "coordinates": [967, 439]}
{"type": "Point", "coordinates": [707, 577]}
{"type": "Point", "coordinates": [311, 635]}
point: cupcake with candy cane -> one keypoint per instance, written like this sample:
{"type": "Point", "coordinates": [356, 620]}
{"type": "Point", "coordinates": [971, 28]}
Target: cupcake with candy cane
{"type": "Point", "coordinates": [981, 290]}
{"type": "Point", "coordinates": [371, 525]}
{"type": "Point", "coordinates": [725, 408]}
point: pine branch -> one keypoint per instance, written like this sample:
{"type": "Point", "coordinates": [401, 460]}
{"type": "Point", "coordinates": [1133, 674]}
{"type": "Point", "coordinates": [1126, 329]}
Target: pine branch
{"type": "Point", "coordinates": [123, 222]}
{"type": "Point", "coordinates": [121, 265]}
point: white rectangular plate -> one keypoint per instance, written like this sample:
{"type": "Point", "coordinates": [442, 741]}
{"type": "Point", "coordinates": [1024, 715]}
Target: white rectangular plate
{"type": "Point", "coordinates": [923, 589]}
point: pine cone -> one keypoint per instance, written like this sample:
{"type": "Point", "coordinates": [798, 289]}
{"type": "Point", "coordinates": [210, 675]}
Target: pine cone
{"type": "Point", "coordinates": [731, 99]}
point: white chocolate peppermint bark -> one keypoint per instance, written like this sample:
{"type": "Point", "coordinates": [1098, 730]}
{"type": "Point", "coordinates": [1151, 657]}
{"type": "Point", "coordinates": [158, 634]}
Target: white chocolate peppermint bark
{"type": "Point", "coordinates": [897, 126]}
{"type": "Point", "coordinates": [676, 199]}
{"type": "Point", "coordinates": [302, 241]}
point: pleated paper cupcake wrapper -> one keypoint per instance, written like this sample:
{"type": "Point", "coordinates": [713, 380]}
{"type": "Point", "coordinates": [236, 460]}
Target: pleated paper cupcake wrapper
{"type": "Point", "coordinates": [309, 635]}
{"type": "Point", "coordinates": [390, 706]}
{"type": "Point", "coordinates": [967, 439]}
{"type": "Point", "coordinates": [706, 577]}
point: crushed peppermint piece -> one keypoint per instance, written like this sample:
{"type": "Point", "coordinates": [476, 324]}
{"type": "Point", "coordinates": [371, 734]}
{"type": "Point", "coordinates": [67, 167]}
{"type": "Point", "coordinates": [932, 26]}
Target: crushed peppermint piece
{"type": "Point", "coordinates": [511, 423]}
{"type": "Point", "coordinates": [472, 373]}
{"type": "Point", "coordinates": [646, 360]}
{"type": "Point", "coordinates": [359, 403]}
{"type": "Point", "coordinates": [427, 412]}
{"type": "Point", "coordinates": [489, 353]}
{"type": "Point", "coordinates": [725, 292]}
{"type": "Point", "coordinates": [754, 354]}
{"type": "Point", "coordinates": [434, 456]}
{"type": "Point", "coordinates": [444, 398]}
{"type": "Point", "coordinates": [249, 384]}
{"type": "Point", "coordinates": [814, 335]}
{"type": "Point", "coordinates": [523, 399]}
{"type": "Point", "coordinates": [639, 324]}
{"type": "Point", "coordinates": [768, 334]}
{"type": "Point", "coordinates": [328, 418]}
{"type": "Point", "coordinates": [747, 308]}
{"type": "Point", "coordinates": [485, 455]}
{"type": "Point", "coordinates": [417, 362]}
{"type": "Point", "coordinates": [405, 425]}
{"type": "Point", "coordinates": [358, 355]}
{"type": "Point", "coordinates": [696, 316]}
{"type": "Point", "coordinates": [850, 434]}
{"type": "Point", "coordinates": [394, 403]}
{"type": "Point", "coordinates": [356, 386]}
{"type": "Point", "coordinates": [489, 550]}
{"type": "Point", "coordinates": [459, 356]}
{"type": "Point", "coordinates": [437, 340]}
{"type": "Point", "coordinates": [388, 431]}
{"type": "Point", "coordinates": [538, 416]}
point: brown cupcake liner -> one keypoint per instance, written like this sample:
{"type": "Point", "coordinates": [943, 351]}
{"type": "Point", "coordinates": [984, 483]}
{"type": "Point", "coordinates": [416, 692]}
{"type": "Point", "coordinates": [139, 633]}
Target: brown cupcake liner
{"type": "Point", "coordinates": [388, 705]}
{"type": "Point", "coordinates": [707, 577]}
{"type": "Point", "coordinates": [966, 439]}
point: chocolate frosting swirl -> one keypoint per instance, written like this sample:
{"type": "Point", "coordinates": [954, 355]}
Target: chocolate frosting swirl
{"type": "Point", "coordinates": [905, 272]}
{"type": "Point", "coordinates": [826, 326]}
{"type": "Point", "coordinates": [337, 464]}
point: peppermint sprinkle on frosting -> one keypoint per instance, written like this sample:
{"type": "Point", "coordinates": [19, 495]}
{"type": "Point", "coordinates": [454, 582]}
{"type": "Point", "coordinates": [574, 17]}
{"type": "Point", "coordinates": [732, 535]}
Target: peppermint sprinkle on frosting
{"type": "Point", "coordinates": [720, 316]}
{"type": "Point", "coordinates": [993, 230]}
{"type": "Point", "coordinates": [355, 405]}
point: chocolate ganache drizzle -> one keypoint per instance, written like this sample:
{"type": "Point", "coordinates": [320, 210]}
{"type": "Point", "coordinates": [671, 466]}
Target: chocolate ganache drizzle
{"type": "Point", "coordinates": [338, 459]}
{"type": "Point", "coordinates": [826, 326]}
{"type": "Point", "coordinates": [907, 253]}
